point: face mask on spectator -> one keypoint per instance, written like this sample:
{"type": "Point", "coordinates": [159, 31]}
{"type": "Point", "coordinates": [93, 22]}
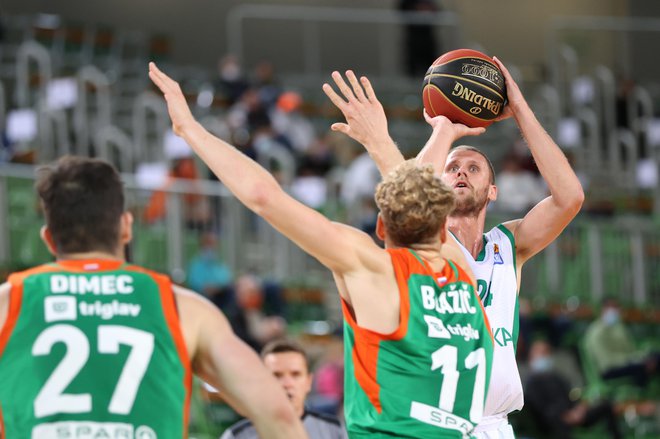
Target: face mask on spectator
{"type": "Point", "coordinates": [611, 316]}
{"type": "Point", "coordinates": [541, 364]}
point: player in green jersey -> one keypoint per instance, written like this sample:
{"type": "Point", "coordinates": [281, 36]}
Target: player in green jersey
{"type": "Point", "coordinates": [91, 346]}
{"type": "Point", "coordinates": [418, 344]}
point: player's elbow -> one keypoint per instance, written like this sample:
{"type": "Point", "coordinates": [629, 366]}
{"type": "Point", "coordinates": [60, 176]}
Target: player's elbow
{"type": "Point", "coordinates": [278, 416]}
{"type": "Point", "coordinates": [261, 197]}
{"type": "Point", "coordinates": [576, 200]}
{"type": "Point", "coordinates": [570, 202]}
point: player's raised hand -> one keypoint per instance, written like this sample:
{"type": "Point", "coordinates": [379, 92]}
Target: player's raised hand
{"type": "Point", "coordinates": [515, 97]}
{"type": "Point", "coordinates": [176, 102]}
{"type": "Point", "coordinates": [449, 128]}
{"type": "Point", "coordinates": [365, 117]}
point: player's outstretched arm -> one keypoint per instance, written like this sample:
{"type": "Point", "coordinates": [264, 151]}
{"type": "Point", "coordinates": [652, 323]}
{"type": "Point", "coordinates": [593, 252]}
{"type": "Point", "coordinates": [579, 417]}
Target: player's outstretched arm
{"type": "Point", "coordinates": [224, 361]}
{"type": "Point", "coordinates": [339, 248]}
{"type": "Point", "coordinates": [366, 122]}
{"type": "Point", "coordinates": [549, 217]}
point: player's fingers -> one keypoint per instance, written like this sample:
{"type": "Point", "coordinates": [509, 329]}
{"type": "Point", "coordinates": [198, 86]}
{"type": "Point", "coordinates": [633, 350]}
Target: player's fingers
{"type": "Point", "coordinates": [341, 127]}
{"type": "Point", "coordinates": [503, 68]}
{"type": "Point", "coordinates": [474, 131]}
{"type": "Point", "coordinates": [369, 90]}
{"type": "Point", "coordinates": [427, 118]}
{"type": "Point", "coordinates": [164, 82]}
{"type": "Point", "coordinates": [357, 88]}
{"type": "Point", "coordinates": [334, 97]}
{"type": "Point", "coordinates": [343, 87]}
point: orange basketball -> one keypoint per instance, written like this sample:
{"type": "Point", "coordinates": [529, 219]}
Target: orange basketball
{"type": "Point", "coordinates": [466, 86]}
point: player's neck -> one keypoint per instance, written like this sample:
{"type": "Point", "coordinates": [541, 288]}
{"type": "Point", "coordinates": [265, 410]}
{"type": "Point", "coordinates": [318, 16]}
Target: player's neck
{"type": "Point", "coordinates": [469, 231]}
{"type": "Point", "coordinates": [90, 255]}
{"type": "Point", "coordinates": [431, 253]}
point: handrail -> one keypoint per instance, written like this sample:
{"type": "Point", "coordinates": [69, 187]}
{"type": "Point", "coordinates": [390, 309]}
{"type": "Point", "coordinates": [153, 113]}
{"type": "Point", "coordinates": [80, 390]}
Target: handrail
{"type": "Point", "coordinates": [31, 50]}
{"type": "Point", "coordinates": [88, 121]}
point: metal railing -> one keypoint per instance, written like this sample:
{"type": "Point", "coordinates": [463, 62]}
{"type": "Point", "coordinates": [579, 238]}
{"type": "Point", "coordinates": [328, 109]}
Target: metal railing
{"type": "Point", "coordinates": [592, 259]}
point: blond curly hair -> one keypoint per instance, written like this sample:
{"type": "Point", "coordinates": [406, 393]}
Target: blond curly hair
{"type": "Point", "coordinates": [414, 203]}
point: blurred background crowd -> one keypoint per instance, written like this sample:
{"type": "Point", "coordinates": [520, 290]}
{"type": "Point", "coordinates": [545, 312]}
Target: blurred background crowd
{"type": "Point", "coordinates": [74, 81]}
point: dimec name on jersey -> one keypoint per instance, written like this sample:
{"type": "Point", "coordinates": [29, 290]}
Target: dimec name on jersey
{"type": "Point", "coordinates": [454, 301]}
{"type": "Point", "coordinates": [102, 284]}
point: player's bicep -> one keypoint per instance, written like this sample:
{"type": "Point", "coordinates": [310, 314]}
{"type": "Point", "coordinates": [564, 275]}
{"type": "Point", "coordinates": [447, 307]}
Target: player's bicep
{"type": "Point", "coordinates": [542, 225]}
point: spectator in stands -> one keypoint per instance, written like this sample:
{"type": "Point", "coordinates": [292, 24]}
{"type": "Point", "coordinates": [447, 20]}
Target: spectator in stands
{"type": "Point", "coordinates": [420, 47]}
{"type": "Point", "coordinates": [358, 186]}
{"type": "Point", "coordinates": [610, 345]}
{"type": "Point", "coordinates": [231, 83]}
{"type": "Point", "coordinates": [247, 314]}
{"type": "Point", "coordinates": [196, 208]}
{"type": "Point", "coordinates": [291, 124]}
{"type": "Point", "coordinates": [328, 393]}
{"type": "Point", "coordinates": [207, 274]}
{"type": "Point", "coordinates": [310, 186]}
{"type": "Point", "coordinates": [547, 394]}
{"type": "Point", "coordinates": [518, 189]}
{"type": "Point", "coordinates": [266, 82]}
{"type": "Point", "coordinates": [290, 365]}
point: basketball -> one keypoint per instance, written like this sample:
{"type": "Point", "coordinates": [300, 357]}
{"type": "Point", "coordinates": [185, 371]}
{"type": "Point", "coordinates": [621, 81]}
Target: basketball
{"type": "Point", "coordinates": [466, 86]}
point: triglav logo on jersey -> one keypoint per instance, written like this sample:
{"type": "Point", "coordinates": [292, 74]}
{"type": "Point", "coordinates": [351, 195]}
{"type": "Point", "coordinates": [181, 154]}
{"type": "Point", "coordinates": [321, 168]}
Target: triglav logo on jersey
{"type": "Point", "coordinates": [497, 257]}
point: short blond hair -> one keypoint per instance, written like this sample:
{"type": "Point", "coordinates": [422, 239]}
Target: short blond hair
{"type": "Point", "coordinates": [414, 203]}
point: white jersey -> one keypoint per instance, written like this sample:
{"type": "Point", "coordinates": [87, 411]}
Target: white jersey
{"type": "Point", "coordinates": [495, 270]}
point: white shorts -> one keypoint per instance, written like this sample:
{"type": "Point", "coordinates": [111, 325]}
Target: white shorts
{"type": "Point", "coordinates": [498, 428]}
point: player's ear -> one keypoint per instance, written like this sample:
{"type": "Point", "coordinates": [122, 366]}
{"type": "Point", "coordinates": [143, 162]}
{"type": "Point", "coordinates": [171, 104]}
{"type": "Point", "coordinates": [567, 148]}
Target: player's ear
{"type": "Point", "coordinates": [380, 228]}
{"type": "Point", "coordinates": [125, 228]}
{"type": "Point", "coordinates": [47, 238]}
{"type": "Point", "coordinates": [492, 192]}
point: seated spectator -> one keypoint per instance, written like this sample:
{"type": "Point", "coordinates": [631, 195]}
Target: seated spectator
{"type": "Point", "coordinates": [196, 208]}
{"type": "Point", "coordinates": [207, 274]}
{"type": "Point", "coordinates": [290, 123]}
{"type": "Point", "coordinates": [328, 393]}
{"type": "Point", "coordinates": [547, 395]}
{"type": "Point", "coordinates": [518, 189]}
{"type": "Point", "coordinates": [289, 363]}
{"type": "Point", "coordinates": [610, 344]}
{"type": "Point", "coordinates": [247, 315]}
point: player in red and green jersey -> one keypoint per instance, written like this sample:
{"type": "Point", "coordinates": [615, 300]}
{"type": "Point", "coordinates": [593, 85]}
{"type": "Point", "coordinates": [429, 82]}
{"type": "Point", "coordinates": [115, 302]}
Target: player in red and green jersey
{"type": "Point", "coordinates": [91, 346]}
{"type": "Point", "coordinates": [419, 348]}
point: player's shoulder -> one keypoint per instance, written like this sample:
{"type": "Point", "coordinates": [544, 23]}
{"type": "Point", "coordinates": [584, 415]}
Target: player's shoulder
{"type": "Point", "coordinates": [243, 429]}
{"type": "Point", "coordinates": [321, 417]}
{"type": "Point", "coordinates": [154, 274]}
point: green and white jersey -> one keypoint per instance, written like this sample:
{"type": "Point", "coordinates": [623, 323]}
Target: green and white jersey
{"type": "Point", "coordinates": [93, 349]}
{"type": "Point", "coordinates": [427, 379]}
{"type": "Point", "coordinates": [495, 270]}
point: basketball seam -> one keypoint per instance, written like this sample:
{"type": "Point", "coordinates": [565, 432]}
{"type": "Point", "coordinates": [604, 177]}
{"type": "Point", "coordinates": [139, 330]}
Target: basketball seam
{"type": "Point", "coordinates": [459, 108]}
{"type": "Point", "coordinates": [435, 75]}
{"type": "Point", "coordinates": [465, 57]}
{"type": "Point", "coordinates": [429, 97]}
